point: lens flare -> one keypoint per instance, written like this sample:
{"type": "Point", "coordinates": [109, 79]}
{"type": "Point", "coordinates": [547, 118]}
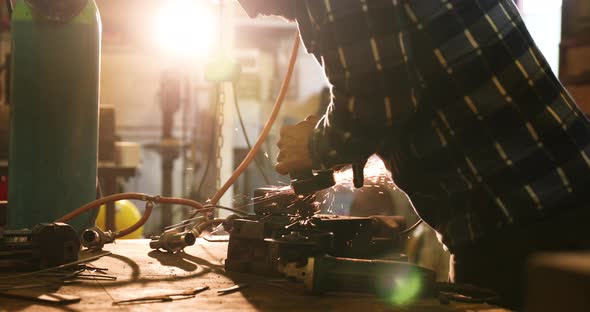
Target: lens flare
{"type": "Point", "coordinates": [407, 289]}
{"type": "Point", "coordinates": [400, 287]}
{"type": "Point", "coordinates": [185, 29]}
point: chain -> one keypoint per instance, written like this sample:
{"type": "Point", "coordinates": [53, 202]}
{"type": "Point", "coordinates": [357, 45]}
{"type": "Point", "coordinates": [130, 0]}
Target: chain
{"type": "Point", "coordinates": [220, 117]}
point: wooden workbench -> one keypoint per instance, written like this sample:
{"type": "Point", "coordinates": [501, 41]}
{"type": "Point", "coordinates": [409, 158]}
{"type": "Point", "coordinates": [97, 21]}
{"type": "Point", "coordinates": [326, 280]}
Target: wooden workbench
{"type": "Point", "coordinates": [141, 271]}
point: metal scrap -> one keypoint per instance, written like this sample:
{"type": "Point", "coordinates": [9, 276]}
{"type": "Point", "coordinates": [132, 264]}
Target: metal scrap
{"type": "Point", "coordinates": [165, 297]}
{"type": "Point", "coordinates": [232, 289]}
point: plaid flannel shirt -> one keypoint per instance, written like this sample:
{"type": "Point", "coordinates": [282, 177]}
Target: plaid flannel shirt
{"type": "Point", "coordinates": [458, 101]}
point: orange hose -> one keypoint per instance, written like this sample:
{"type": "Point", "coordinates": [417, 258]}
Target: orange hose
{"type": "Point", "coordinates": [99, 202]}
{"type": "Point", "coordinates": [269, 123]}
{"type": "Point", "coordinates": [132, 196]}
{"type": "Point", "coordinates": [181, 201]}
{"type": "Point", "coordinates": [187, 202]}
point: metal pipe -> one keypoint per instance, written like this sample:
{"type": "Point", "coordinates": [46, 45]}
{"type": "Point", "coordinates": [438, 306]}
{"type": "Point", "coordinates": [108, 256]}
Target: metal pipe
{"type": "Point", "coordinates": [95, 238]}
{"type": "Point", "coordinates": [173, 240]}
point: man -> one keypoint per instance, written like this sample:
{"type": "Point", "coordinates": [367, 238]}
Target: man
{"type": "Point", "coordinates": [461, 105]}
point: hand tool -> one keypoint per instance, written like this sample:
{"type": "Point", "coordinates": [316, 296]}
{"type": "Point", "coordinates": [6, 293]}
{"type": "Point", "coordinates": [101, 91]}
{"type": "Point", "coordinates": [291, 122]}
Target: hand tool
{"type": "Point", "coordinates": [166, 297]}
{"type": "Point", "coordinates": [306, 182]}
{"type": "Point", "coordinates": [324, 274]}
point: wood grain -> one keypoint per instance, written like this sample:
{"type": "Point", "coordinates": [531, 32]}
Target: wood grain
{"type": "Point", "coordinates": [143, 272]}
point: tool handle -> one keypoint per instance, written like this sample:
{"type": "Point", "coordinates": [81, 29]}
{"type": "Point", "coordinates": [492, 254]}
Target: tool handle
{"type": "Point", "coordinates": [333, 274]}
{"type": "Point", "coordinates": [358, 174]}
{"type": "Point", "coordinates": [301, 174]}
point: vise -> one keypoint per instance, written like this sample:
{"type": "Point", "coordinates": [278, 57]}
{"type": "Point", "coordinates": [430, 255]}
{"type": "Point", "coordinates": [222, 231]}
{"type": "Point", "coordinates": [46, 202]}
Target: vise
{"type": "Point", "coordinates": [46, 245]}
{"type": "Point", "coordinates": [286, 237]}
{"type": "Point", "coordinates": [286, 229]}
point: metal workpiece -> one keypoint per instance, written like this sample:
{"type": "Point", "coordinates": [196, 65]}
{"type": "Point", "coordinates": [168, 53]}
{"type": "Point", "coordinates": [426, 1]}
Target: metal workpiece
{"type": "Point", "coordinates": [173, 240]}
{"type": "Point", "coordinates": [260, 244]}
{"type": "Point", "coordinates": [164, 297]}
{"type": "Point", "coordinates": [276, 201]}
{"type": "Point", "coordinates": [271, 200]}
{"type": "Point", "coordinates": [95, 238]}
{"type": "Point", "coordinates": [306, 182]}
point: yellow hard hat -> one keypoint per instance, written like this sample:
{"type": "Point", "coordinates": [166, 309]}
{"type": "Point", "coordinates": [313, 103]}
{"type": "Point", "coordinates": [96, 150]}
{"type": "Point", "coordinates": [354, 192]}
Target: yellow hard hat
{"type": "Point", "coordinates": [126, 214]}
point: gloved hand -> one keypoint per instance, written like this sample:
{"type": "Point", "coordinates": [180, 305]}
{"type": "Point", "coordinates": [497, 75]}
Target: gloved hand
{"type": "Point", "coordinates": [294, 146]}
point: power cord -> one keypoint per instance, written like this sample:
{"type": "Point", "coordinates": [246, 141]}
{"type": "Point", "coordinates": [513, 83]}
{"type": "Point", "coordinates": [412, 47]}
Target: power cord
{"type": "Point", "coordinates": [198, 207]}
{"type": "Point", "coordinates": [245, 133]}
{"type": "Point", "coordinates": [99, 193]}
{"type": "Point", "coordinates": [210, 156]}
{"type": "Point", "coordinates": [234, 210]}
{"type": "Point", "coordinates": [9, 7]}
{"type": "Point", "coordinates": [267, 126]}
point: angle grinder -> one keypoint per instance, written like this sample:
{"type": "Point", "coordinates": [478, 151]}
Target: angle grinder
{"type": "Point", "coordinates": [306, 181]}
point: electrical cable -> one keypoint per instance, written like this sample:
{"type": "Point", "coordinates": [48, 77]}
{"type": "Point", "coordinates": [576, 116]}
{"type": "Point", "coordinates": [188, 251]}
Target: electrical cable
{"type": "Point", "coordinates": [188, 222]}
{"type": "Point", "coordinates": [186, 111]}
{"type": "Point", "coordinates": [411, 228]}
{"type": "Point", "coordinates": [198, 207]}
{"type": "Point", "coordinates": [98, 189]}
{"type": "Point", "coordinates": [185, 222]}
{"type": "Point", "coordinates": [265, 131]}
{"type": "Point", "coordinates": [212, 147]}
{"type": "Point", "coordinates": [234, 210]}
{"type": "Point", "coordinates": [9, 7]}
{"type": "Point", "coordinates": [202, 226]}
{"type": "Point", "coordinates": [245, 133]}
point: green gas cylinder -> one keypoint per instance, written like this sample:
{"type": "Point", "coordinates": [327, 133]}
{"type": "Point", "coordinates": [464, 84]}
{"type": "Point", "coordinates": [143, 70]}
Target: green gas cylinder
{"type": "Point", "coordinates": [54, 110]}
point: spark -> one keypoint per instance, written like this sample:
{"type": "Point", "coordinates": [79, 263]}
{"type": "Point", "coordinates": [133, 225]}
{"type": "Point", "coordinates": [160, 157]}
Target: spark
{"type": "Point", "coordinates": [332, 199]}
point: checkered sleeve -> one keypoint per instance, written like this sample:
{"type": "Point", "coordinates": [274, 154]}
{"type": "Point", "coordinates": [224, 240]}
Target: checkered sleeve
{"type": "Point", "coordinates": [363, 49]}
{"type": "Point", "coordinates": [458, 99]}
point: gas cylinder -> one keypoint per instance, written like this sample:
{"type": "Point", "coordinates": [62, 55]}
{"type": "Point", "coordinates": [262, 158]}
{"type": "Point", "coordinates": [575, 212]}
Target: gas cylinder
{"type": "Point", "coordinates": [54, 110]}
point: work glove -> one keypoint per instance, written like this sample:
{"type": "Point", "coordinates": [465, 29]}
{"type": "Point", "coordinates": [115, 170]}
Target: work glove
{"type": "Point", "coordinates": [294, 146]}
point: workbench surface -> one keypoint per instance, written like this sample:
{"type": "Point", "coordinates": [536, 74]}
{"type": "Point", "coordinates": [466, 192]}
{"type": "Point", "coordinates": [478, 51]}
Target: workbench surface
{"type": "Point", "coordinates": [141, 271]}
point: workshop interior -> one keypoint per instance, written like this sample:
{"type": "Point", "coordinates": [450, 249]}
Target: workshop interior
{"type": "Point", "coordinates": [138, 140]}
